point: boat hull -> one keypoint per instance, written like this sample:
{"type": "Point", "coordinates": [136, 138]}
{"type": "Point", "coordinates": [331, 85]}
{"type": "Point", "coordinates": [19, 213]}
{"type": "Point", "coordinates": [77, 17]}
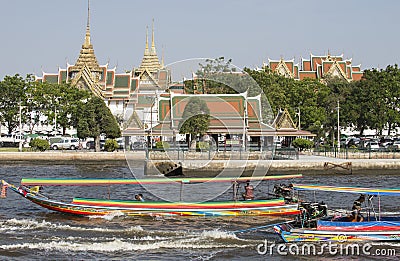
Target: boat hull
{"type": "Point", "coordinates": [101, 207]}
{"type": "Point", "coordinates": [339, 232]}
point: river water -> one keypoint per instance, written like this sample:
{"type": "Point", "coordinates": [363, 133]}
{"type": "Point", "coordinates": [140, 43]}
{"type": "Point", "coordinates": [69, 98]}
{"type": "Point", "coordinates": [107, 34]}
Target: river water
{"type": "Point", "coordinates": [28, 231]}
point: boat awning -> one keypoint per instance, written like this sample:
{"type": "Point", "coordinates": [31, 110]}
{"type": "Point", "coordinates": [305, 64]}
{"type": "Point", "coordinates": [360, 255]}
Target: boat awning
{"type": "Point", "coordinates": [356, 190]}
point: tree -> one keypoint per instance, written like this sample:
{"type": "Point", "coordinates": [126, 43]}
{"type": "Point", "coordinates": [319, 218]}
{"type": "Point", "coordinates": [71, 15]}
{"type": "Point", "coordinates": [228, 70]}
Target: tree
{"type": "Point", "coordinates": [95, 119]}
{"type": "Point", "coordinates": [68, 104]}
{"type": "Point", "coordinates": [195, 119]}
{"type": "Point", "coordinates": [217, 76]}
{"type": "Point", "coordinates": [12, 99]}
{"type": "Point", "coordinates": [302, 144]}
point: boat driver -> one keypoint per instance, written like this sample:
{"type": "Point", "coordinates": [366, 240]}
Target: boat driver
{"type": "Point", "coordinates": [248, 192]}
{"type": "Point", "coordinates": [139, 197]}
{"type": "Point", "coordinates": [356, 215]}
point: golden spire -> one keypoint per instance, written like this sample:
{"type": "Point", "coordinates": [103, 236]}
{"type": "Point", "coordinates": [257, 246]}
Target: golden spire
{"type": "Point", "coordinates": [86, 55]}
{"type": "Point", "coordinates": [87, 37]}
{"type": "Point", "coordinates": [150, 60]}
{"type": "Point", "coordinates": [146, 50]}
{"type": "Point", "coordinates": [153, 47]}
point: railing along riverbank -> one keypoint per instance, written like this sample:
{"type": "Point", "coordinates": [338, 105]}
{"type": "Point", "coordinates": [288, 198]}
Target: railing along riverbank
{"type": "Point", "coordinates": [355, 153]}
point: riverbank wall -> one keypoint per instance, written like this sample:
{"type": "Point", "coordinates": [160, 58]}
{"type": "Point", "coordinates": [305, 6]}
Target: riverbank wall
{"type": "Point", "coordinates": [306, 164]}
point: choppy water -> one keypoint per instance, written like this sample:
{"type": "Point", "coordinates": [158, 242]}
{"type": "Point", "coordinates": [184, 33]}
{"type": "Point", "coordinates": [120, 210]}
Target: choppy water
{"type": "Point", "coordinates": [28, 231]}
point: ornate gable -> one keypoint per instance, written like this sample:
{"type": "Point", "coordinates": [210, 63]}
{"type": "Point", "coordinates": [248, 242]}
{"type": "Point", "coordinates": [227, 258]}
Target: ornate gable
{"type": "Point", "coordinates": [336, 71]}
{"type": "Point", "coordinates": [85, 79]}
{"type": "Point", "coordinates": [282, 69]}
{"type": "Point", "coordinates": [284, 121]}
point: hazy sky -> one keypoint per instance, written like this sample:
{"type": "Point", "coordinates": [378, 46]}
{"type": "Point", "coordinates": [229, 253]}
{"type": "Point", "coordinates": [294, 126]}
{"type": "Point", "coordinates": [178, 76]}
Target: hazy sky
{"type": "Point", "coordinates": [42, 35]}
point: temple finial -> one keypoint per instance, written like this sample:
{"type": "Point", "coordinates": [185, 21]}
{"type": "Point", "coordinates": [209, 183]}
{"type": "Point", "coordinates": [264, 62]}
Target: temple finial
{"type": "Point", "coordinates": [88, 13]}
{"type": "Point", "coordinates": [153, 47]}
{"type": "Point", "coordinates": [146, 50]}
{"type": "Point", "coordinates": [87, 37]}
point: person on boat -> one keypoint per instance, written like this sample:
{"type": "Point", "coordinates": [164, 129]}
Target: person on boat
{"type": "Point", "coordinates": [356, 215]}
{"type": "Point", "coordinates": [139, 197]}
{"type": "Point", "coordinates": [248, 192]}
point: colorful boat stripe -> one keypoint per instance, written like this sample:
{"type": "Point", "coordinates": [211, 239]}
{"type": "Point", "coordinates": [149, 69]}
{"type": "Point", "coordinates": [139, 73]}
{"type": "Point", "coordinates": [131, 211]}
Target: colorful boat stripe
{"type": "Point", "coordinates": [359, 190]}
{"type": "Point", "coordinates": [103, 182]}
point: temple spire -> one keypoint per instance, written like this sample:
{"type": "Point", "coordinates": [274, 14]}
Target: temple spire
{"type": "Point", "coordinates": [87, 36]}
{"type": "Point", "coordinates": [150, 60]}
{"type": "Point", "coordinates": [86, 55]}
{"type": "Point", "coordinates": [146, 50]}
{"type": "Point", "coordinates": [153, 47]}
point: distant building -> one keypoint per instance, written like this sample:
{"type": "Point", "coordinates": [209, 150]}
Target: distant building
{"type": "Point", "coordinates": [130, 95]}
{"type": "Point", "coordinates": [317, 67]}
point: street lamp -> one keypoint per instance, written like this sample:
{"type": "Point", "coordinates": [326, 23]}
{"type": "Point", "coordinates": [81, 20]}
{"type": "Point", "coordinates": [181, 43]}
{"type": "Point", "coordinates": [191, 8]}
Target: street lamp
{"type": "Point", "coordinates": [338, 126]}
{"type": "Point", "coordinates": [20, 127]}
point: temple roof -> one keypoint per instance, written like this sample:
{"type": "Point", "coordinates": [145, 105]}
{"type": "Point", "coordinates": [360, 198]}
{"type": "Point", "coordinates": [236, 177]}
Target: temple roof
{"type": "Point", "coordinates": [86, 55]}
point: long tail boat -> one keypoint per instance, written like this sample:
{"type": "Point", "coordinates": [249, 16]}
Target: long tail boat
{"type": "Point", "coordinates": [99, 207]}
{"type": "Point", "coordinates": [374, 227]}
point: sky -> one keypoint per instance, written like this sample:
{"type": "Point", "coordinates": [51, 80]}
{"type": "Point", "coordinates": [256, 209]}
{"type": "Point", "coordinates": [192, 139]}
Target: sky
{"type": "Point", "coordinates": [43, 35]}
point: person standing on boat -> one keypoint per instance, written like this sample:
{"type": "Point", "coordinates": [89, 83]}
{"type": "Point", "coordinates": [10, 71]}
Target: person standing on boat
{"type": "Point", "coordinates": [356, 209]}
{"type": "Point", "coordinates": [248, 192]}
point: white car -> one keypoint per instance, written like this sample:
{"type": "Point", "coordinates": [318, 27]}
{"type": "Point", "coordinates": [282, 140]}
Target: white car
{"type": "Point", "coordinates": [396, 145]}
{"type": "Point", "coordinates": [372, 145]}
{"type": "Point", "coordinates": [66, 143]}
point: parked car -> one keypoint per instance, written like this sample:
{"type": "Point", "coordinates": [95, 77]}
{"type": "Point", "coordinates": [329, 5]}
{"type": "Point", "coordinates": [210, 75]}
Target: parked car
{"type": "Point", "coordinates": [121, 143]}
{"type": "Point", "coordinates": [66, 143]}
{"type": "Point", "coordinates": [372, 145]}
{"type": "Point", "coordinates": [90, 144]}
{"type": "Point", "coordinates": [138, 145]}
{"type": "Point", "coordinates": [395, 145]}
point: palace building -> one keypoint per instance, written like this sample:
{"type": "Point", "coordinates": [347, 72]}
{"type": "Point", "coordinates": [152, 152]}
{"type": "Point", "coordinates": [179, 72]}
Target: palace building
{"type": "Point", "coordinates": [129, 95]}
{"type": "Point", "coordinates": [317, 67]}
{"type": "Point", "coordinates": [149, 104]}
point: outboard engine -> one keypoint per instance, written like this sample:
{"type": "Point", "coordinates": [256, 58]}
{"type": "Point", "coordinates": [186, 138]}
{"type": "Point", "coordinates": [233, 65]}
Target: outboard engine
{"type": "Point", "coordinates": [286, 192]}
{"type": "Point", "coordinates": [310, 213]}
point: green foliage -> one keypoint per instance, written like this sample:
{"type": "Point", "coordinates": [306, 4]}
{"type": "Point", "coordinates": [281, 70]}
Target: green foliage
{"type": "Point", "coordinates": [302, 144]}
{"type": "Point", "coordinates": [12, 96]}
{"type": "Point", "coordinates": [202, 145]}
{"type": "Point", "coordinates": [110, 145]}
{"type": "Point", "coordinates": [162, 145]}
{"type": "Point", "coordinates": [39, 144]}
{"type": "Point", "coordinates": [195, 118]}
{"type": "Point", "coordinates": [95, 118]}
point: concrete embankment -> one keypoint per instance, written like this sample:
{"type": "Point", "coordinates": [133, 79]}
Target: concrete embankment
{"type": "Point", "coordinates": [305, 164]}
{"type": "Point", "coordinates": [63, 156]}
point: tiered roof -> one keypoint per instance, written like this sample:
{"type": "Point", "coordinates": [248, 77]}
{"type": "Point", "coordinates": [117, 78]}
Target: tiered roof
{"type": "Point", "coordinates": [230, 113]}
{"type": "Point", "coordinates": [317, 67]}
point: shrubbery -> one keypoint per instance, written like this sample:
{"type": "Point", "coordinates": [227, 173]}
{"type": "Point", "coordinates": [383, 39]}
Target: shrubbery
{"type": "Point", "coordinates": [39, 144]}
{"type": "Point", "coordinates": [110, 145]}
{"type": "Point", "coordinates": [302, 144]}
{"type": "Point", "coordinates": [202, 145]}
{"type": "Point", "coordinates": [162, 145]}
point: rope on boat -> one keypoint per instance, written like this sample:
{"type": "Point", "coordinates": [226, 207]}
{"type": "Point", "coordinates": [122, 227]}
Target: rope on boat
{"type": "Point", "coordinates": [260, 227]}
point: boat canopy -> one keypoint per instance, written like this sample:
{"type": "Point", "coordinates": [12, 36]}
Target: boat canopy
{"type": "Point", "coordinates": [358, 190]}
{"type": "Point", "coordinates": [103, 182]}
